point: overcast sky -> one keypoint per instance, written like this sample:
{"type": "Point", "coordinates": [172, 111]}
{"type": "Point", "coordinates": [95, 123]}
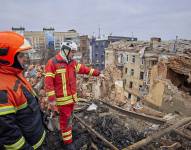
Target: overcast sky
{"type": "Point", "coordinates": [143, 18]}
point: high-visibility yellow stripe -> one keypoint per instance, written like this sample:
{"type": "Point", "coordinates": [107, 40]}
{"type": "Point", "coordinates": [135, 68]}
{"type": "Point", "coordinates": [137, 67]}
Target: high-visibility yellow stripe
{"type": "Point", "coordinates": [64, 84]}
{"type": "Point", "coordinates": [50, 93]}
{"type": "Point", "coordinates": [16, 145]}
{"type": "Point", "coordinates": [91, 72]}
{"type": "Point", "coordinates": [34, 93]}
{"type": "Point", "coordinates": [39, 143]}
{"type": "Point", "coordinates": [78, 67]}
{"type": "Point", "coordinates": [11, 109]}
{"type": "Point", "coordinates": [67, 138]}
{"type": "Point", "coordinates": [63, 76]}
{"type": "Point", "coordinates": [22, 106]}
{"type": "Point", "coordinates": [67, 133]}
{"type": "Point", "coordinates": [60, 70]}
{"type": "Point", "coordinates": [66, 98]}
{"type": "Point", "coordinates": [7, 110]}
{"type": "Point", "coordinates": [65, 102]}
{"type": "Point", "coordinates": [50, 74]}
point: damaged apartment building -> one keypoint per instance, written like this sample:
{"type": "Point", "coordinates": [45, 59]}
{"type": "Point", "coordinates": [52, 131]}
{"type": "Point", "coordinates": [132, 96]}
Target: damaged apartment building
{"type": "Point", "coordinates": [170, 86]}
{"type": "Point", "coordinates": [155, 73]}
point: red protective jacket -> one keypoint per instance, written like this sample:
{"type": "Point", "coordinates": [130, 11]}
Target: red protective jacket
{"type": "Point", "coordinates": [60, 79]}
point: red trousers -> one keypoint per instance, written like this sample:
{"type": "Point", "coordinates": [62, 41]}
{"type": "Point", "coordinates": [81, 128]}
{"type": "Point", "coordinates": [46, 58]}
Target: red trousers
{"type": "Point", "coordinates": [66, 115]}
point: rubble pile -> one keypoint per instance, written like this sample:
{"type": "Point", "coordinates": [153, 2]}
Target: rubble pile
{"type": "Point", "coordinates": [112, 88]}
{"type": "Point", "coordinates": [35, 75]}
{"type": "Point", "coordinates": [118, 129]}
{"type": "Point", "coordinates": [53, 140]}
{"type": "Point", "coordinates": [113, 130]}
{"type": "Point", "coordinates": [85, 86]}
{"type": "Point", "coordinates": [121, 130]}
{"type": "Point", "coordinates": [171, 141]}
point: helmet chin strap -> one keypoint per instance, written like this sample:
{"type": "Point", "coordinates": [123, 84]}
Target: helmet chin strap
{"type": "Point", "coordinates": [68, 59]}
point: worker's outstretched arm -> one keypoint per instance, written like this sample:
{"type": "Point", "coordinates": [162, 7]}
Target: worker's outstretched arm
{"type": "Point", "coordinates": [82, 69]}
{"type": "Point", "coordinates": [49, 81]}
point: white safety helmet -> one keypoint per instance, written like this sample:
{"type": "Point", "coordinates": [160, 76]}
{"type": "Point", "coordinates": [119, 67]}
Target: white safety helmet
{"type": "Point", "coordinates": [69, 45]}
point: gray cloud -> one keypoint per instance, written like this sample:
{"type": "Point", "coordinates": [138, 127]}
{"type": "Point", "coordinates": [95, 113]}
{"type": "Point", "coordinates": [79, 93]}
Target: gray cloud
{"type": "Point", "coordinates": [145, 18]}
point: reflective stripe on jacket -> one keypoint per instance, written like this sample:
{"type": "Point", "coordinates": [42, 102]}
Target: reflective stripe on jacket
{"type": "Point", "coordinates": [21, 124]}
{"type": "Point", "coordinates": [60, 79]}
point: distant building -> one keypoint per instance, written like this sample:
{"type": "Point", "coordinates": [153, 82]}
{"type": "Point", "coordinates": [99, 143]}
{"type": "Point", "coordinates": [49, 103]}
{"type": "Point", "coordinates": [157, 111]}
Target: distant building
{"type": "Point", "coordinates": [45, 43]}
{"type": "Point", "coordinates": [134, 59]}
{"type": "Point", "coordinates": [85, 49]}
{"type": "Point", "coordinates": [98, 49]}
{"type": "Point", "coordinates": [98, 52]}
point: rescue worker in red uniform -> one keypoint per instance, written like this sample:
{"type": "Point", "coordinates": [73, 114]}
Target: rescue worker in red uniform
{"type": "Point", "coordinates": [60, 84]}
{"type": "Point", "coordinates": [21, 125]}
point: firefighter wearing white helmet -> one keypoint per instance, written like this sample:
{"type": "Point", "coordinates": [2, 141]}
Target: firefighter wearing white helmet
{"type": "Point", "coordinates": [68, 49]}
{"type": "Point", "coordinates": [60, 85]}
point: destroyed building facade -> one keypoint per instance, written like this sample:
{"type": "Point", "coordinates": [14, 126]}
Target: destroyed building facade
{"type": "Point", "coordinates": [143, 66]}
{"type": "Point", "coordinates": [134, 59]}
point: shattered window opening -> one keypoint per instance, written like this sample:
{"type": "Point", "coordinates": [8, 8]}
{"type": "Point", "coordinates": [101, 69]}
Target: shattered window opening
{"type": "Point", "coordinates": [179, 80]}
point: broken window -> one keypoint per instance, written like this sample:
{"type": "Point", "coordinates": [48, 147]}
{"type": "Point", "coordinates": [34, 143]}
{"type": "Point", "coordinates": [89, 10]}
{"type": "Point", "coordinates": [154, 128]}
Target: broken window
{"type": "Point", "coordinates": [154, 62]}
{"type": "Point", "coordinates": [120, 58]}
{"type": "Point", "coordinates": [142, 61]}
{"type": "Point", "coordinates": [107, 56]}
{"type": "Point", "coordinates": [141, 75]}
{"type": "Point", "coordinates": [133, 59]}
{"type": "Point", "coordinates": [126, 70]}
{"type": "Point", "coordinates": [138, 99]}
{"type": "Point", "coordinates": [131, 45]}
{"type": "Point", "coordinates": [124, 83]}
{"type": "Point", "coordinates": [140, 87]}
{"type": "Point", "coordinates": [129, 96]}
{"type": "Point", "coordinates": [130, 84]}
{"type": "Point", "coordinates": [179, 80]}
{"type": "Point", "coordinates": [132, 72]}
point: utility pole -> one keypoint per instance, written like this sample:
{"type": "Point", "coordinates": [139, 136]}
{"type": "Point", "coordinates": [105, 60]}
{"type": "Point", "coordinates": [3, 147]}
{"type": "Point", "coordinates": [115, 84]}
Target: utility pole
{"type": "Point", "coordinates": [174, 48]}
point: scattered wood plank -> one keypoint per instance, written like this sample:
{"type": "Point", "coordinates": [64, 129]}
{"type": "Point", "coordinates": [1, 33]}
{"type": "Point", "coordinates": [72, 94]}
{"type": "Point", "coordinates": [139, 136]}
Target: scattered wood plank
{"type": "Point", "coordinates": [182, 134]}
{"type": "Point", "coordinates": [155, 136]}
{"type": "Point", "coordinates": [172, 147]}
{"type": "Point", "coordinates": [137, 115]}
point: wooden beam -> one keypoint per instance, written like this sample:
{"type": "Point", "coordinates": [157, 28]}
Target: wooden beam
{"type": "Point", "coordinates": [137, 115]}
{"type": "Point", "coordinates": [155, 136]}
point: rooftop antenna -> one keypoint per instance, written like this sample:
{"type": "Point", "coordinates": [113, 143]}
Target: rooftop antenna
{"type": "Point", "coordinates": [93, 34]}
{"type": "Point", "coordinates": [99, 35]}
{"type": "Point", "coordinates": [132, 36]}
